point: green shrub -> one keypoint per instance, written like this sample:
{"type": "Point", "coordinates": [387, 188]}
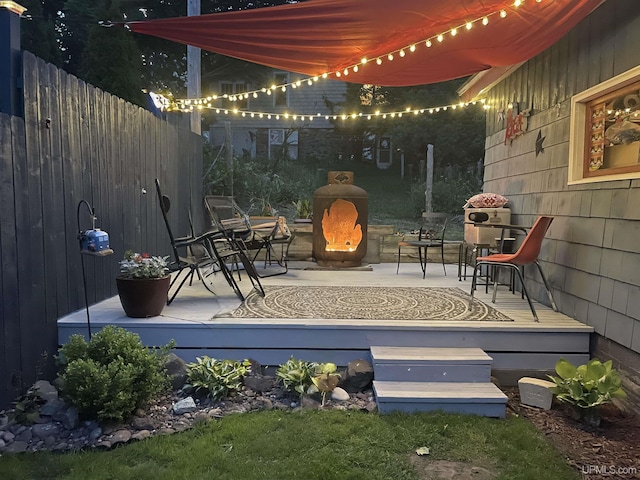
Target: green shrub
{"type": "Point", "coordinates": [449, 195]}
{"type": "Point", "coordinates": [216, 378]}
{"type": "Point", "coordinates": [112, 375]}
{"type": "Point", "coordinates": [297, 375]}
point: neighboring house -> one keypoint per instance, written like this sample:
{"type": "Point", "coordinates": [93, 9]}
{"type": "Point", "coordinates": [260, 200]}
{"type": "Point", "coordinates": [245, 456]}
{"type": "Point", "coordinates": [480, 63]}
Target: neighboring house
{"type": "Point", "coordinates": [267, 138]}
{"type": "Point", "coordinates": [576, 157]}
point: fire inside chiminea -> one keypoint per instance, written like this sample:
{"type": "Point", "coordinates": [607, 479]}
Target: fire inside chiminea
{"type": "Point", "coordinates": [340, 217]}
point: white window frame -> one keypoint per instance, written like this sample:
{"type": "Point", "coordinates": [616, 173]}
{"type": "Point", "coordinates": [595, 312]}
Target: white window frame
{"type": "Point", "coordinates": [278, 92]}
{"type": "Point", "coordinates": [242, 104]}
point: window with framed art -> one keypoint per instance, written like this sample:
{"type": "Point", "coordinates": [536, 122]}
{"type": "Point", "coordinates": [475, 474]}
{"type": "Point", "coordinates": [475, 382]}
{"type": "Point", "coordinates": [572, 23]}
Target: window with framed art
{"type": "Point", "coordinates": [605, 131]}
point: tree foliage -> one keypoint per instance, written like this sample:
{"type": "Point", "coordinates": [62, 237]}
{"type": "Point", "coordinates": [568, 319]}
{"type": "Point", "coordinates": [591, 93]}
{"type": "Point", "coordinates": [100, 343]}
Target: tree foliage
{"type": "Point", "coordinates": [38, 30]}
{"type": "Point", "coordinates": [66, 33]}
{"type": "Point", "coordinates": [457, 135]}
{"type": "Point", "coordinates": [111, 60]}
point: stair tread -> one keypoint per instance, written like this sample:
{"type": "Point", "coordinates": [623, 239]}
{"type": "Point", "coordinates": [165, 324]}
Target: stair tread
{"type": "Point", "coordinates": [443, 391]}
{"type": "Point", "coordinates": [430, 354]}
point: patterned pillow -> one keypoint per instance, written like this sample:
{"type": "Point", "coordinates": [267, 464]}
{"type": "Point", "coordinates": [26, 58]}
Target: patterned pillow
{"type": "Point", "coordinates": [487, 200]}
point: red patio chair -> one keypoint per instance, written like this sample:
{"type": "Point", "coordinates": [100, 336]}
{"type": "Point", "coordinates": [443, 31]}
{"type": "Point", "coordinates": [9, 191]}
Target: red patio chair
{"type": "Point", "coordinates": [526, 254]}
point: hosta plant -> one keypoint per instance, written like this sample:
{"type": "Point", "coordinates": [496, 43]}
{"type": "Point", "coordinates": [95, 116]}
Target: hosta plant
{"type": "Point", "coordinates": [326, 379]}
{"type": "Point", "coordinates": [587, 387]}
{"type": "Point", "coordinates": [296, 375]}
{"type": "Point", "coordinates": [216, 378]}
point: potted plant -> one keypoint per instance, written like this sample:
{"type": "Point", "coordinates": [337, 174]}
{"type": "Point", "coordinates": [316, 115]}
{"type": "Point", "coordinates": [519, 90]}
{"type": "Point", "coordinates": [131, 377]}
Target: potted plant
{"type": "Point", "coordinates": [304, 211]}
{"type": "Point", "coordinates": [143, 284]}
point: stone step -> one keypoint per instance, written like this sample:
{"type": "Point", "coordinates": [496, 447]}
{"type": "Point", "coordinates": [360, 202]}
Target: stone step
{"type": "Point", "coordinates": [484, 399]}
{"type": "Point", "coordinates": [431, 364]}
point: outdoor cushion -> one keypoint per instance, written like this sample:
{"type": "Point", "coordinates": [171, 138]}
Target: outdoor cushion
{"type": "Point", "coordinates": [487, 200]}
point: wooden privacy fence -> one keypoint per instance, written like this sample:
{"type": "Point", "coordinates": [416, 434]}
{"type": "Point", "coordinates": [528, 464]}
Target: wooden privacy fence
{"type": "Point", "coordinates": [76, 143]}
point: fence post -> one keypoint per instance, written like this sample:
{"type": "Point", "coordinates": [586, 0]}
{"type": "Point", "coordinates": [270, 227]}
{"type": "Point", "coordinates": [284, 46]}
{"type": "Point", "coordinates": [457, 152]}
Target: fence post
{"type": "Point", "coordinates": [10, 59]}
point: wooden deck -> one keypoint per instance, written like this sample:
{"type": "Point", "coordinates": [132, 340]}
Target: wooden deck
{"type": "Point", "coordinates": [517, 348]}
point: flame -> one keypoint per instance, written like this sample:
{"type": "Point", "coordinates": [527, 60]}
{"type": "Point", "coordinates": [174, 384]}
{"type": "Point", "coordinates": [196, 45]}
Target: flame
{"type": "Point", "coordinates": [339, 227]}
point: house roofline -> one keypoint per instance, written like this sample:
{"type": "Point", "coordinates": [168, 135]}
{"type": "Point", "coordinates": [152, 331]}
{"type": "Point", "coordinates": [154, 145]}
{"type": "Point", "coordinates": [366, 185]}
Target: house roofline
{"type": "Point", "coordinates": [479, 84]}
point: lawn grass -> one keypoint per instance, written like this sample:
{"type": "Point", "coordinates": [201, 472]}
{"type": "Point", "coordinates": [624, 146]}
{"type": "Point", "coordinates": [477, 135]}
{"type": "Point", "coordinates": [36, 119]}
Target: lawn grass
{"type": "Point", "coordinates": [309, 444]}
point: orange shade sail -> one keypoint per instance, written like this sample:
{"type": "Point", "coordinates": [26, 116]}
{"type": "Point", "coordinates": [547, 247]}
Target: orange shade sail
{"type": "Point", "coordinates": [320, 36]}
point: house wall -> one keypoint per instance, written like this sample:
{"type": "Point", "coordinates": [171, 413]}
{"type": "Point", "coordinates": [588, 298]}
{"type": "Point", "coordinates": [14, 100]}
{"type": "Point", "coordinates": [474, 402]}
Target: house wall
{"type": "Point", "coordinates": [316, 137]}
{"type": "Point", "coordinates": [592, 252]}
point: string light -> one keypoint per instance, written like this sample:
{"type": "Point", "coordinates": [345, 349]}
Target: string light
{"type": "Point", "coordinates": [344, 116]}
{"type": "Point", "coordinates": [401, 52]}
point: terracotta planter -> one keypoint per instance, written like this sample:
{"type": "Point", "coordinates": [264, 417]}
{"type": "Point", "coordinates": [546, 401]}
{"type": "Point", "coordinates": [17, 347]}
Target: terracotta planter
{"type": "Point", "coordinates": [143, 297]}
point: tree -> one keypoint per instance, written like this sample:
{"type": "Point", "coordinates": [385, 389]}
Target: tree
{"type": "Point", "coordinates": [38, 30]}
{"type": "Point", "coordinates": [457, 135]}
{"type": "Point", "coordinates": [112, 60]}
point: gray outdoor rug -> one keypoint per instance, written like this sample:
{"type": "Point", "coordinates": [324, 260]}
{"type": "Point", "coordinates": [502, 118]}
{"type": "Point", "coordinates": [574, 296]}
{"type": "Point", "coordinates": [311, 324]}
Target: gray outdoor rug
{"type": "Point", "coordinates": [374, 303]}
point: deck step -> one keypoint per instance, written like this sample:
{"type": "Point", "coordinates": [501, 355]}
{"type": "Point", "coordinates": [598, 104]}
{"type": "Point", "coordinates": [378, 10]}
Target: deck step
{"type": "Point", "coordinates": [431, 364]}
{"type": "Point", "coordinates": [483, 399]}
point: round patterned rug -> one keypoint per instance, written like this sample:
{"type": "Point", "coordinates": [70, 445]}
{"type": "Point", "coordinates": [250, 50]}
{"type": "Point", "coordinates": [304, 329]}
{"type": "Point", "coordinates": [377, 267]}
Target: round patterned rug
{"type": "Point", "coordinates": [375, 303]}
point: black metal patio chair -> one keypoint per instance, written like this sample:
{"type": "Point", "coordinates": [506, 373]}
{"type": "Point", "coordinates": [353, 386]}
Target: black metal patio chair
{"type": "Point", "coordinates": [223, 213]}
{"type": "Point", "coordinates": [202, 256]}
{"type": "Point", "coordinates": [431, 235]}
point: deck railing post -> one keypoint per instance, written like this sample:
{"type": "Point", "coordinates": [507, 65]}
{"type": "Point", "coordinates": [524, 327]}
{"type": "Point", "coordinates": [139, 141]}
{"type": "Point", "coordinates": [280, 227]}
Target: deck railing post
{"type": "Point", "coordinates": [10, 59]}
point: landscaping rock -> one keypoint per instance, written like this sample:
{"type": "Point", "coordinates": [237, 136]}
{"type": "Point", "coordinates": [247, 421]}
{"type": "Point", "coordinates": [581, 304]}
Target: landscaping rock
{"type": "Point", "coordinates": [339, 394]}
{"type": "Point", "coordinates": [68, 417]}
{"type": "Point", "coordinates": [141, 435]}
{"type": "Point", "coordinates": [177, 371]}
{"type": "Point", "coordinates": [45, 430]}
{"type": "Point", "coordinates": [309, 402]}
{"type": "Point", "coordinates": [16, 447]}
{"type": "Point", "coordinates": [185, 405]}
{"type": "Point", "coordinates": [121, 436]}
{"type": "Point", "coordinates": [358, 376]}
{"type": "Point", "coordinates": [143, 423]}
{"type": "Point", "coordinates": [45, 390]}
{"type": "Point", "coordinates": [53, 407]}
{"type": "Point", "coordinates": [535, 392]}
{"type": "Point", "coordinates": [259, 383]}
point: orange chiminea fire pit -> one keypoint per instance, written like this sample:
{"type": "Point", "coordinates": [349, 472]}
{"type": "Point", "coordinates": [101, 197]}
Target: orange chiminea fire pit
{"type": "Point", "coordinates": [340, 217]}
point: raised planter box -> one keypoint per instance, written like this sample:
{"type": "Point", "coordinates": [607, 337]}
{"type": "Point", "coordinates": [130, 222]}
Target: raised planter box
{"type": "Point", "coordinates": [382, 245]}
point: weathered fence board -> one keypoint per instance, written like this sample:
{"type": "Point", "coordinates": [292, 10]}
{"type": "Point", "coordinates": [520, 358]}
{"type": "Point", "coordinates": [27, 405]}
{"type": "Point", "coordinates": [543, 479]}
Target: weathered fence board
{"type": "Point", "coordinates": [96, 148]}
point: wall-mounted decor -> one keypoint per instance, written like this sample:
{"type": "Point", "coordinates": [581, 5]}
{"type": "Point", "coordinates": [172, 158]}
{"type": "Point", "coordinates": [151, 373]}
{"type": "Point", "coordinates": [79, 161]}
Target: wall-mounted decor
{"type": "Point", "coordinates": [605, 131]}
{"type": "Point", "coordinates": [517, 122]}
{"type": "Point", "coordinates": [539, 142]}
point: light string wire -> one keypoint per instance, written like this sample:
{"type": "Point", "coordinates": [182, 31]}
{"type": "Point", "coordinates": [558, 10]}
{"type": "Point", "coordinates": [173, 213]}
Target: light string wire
{"type": "Point", "coordinates": [188, 104]}
{"type": "Point", "coordinates": [339, 116]}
